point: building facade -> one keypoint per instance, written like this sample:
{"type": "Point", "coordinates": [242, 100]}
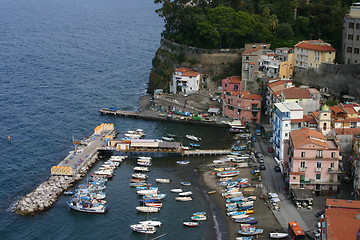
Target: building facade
{"type": "Point", "coordinates": [312, 53]}
{"type": "Point", "coordinates": [185, 81]}
{"type": "Point", "coordinates": [313, 161]}
{"type": "Point", "coordinates": [351, 36]}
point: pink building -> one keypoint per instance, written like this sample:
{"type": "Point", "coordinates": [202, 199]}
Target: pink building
{"type": "Point", "coordinates": [231, 84]}
{"type": "Point", "coordinates": [313, 161]}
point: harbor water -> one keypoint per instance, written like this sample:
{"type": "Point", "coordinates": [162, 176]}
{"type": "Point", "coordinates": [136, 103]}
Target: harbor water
{"type": "Point", "coordinates": [61, 61]}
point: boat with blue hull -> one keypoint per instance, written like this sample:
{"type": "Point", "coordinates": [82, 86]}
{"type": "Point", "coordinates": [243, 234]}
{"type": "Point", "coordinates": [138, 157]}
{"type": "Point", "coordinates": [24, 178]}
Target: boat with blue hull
{"type": "Point", "coordinates": [85, 204]}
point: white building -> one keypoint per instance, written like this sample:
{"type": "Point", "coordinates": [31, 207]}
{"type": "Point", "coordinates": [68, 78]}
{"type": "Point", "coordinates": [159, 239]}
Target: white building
{"type": "Point", "coordinates": [288, 116]}
{"type": "Point", "coordinates": [185, 81]}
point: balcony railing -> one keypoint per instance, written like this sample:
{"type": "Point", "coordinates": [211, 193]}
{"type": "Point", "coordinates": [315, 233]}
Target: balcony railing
{"type": "Point", "coordinates": [304, 181]}
{"type": "Point", "coordinates": [318, 169]}
{"type": "Point", "coordinates": [302, 169]}
{"type": "Point", "coordinates": [333, 171]}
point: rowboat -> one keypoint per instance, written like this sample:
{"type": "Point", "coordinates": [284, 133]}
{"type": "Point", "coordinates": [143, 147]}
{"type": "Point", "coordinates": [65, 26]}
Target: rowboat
{"type": "Point", "coordinates": [183, 162]}
{"type": "Point", "coordinates": [185, 183]}
{"type": "Point", "coordinates": [192, 137]}
{"type": "Point", "coordinates": [191, 224]}
{"type": "Point", "coordinates": [144, 158]}
{"type": "Point", "coordinates": [144, 163]}
{"type": "Point", "coordinates": [211, 192]}
{"type": "Point", "coordinates": [155, 196]}
{"type": "Point", "coordinates": [227, 173]}
{"type": "Point", "coordinates": [239, 216]}
{"type": "Point", "coordinates": [250, 230]}
{"type": "Point", "coordinates": [199, 214]}
{"type": "Point", "coordinates": [176, 190]}
{"type": "Point", "coordinates": [168, 139]}
{"type": "Point", "coordinates": [133, 180]}
{"type": "Point", "coordinates": [147, 191]}
{"type": "Point", "coordinates": [183, 199]}
{"type": "Point", "coordinates": [194, 145]}
{"type": "Point", "coordinates": [139, 175]}
{"type": "Point", "coordinates": [244, 220]}
{"type": "Point", "coordinates": [153, 204]}
{"type": "Point", "coordinates": [147, 209]}
{"type": "Point", "coordinates": [162, 180]}
{"type": "Point", "coordinates": [278, 235]}
{"type": "Point", "coordinates": [138, 184]}
{"type": "Point", "coordinates": [198, 218]}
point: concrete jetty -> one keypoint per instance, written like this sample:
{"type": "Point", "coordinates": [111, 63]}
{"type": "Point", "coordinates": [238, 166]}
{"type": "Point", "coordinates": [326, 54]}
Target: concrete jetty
{"type": "Point", "coordinates": [69, 170]}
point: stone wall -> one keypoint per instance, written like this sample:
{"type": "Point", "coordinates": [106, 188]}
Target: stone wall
{"type": "Point", "coordinates": [339, 79]}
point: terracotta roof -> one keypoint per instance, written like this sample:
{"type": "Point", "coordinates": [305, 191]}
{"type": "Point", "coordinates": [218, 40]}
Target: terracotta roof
{"type": "Point", "coordinates": [341, 218]}
{"type": "Point", "coordinates": [252, 50]}
{"type": "Point", "coordinates": [350, 110]}
{"type": "Point", "coordinates": [296, 93]}
{"type": "Point", "coordinates": [316, 46]}
{"type": "Point", "coordinates": [347, 131]}
{"type": "Point", "coordinates": [337, 109]}
{"type": "Point", "coordinates": [306, 136]}
{"type": "Point", "coordinates": [252, 63]}
{"type": "Point", "coordinates": [182, 69]}
{"type": "Point", "coordinates": [233, 79]}
{"type": "Point", "coordinates": [277, 83]}
{"type": "Point", "coordinates": [247, 95]}
{"type": "Point", "coordinates": [310, 118]}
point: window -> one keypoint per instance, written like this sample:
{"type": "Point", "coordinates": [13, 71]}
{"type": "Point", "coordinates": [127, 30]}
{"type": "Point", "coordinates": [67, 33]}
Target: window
{"type": "Point", "coordinates": [318, 176]}
{"type": "Point", "coordinates": [236, 87]}
{"type": "Point", "coordinates": [351, 25]}
{"type": "Point", "coordinates": [286, 134]}
{"type": "Point", "coordinates": [318, 165]}
{"type": "Point", "coordinates": [333, 155]}
{"type": "Point", "coordinates": [357, 37]}
{"type": "Point", "coordinates": [294, 178]}
{"type": "Point", "coordinates": [301, 186]}
{"type": "Point", "coordinates": [302, 164]}
{"type": "Point", "coordinates": [357, 26]}
{"type": "Point", "coordinates": [302, 154]}
{"type": "Point", "coordinates": [350, 37]}
{"type": "Point", "coordinates": [332, 165]}
{"type": "Point", "coordinates": [286, 125]}
{"type": "Point", "coordinates": [349, 49]}
{"type": "Point", "coordinates": [247, 59]}
{"type": "Point", "coordinates": [225, 85]}
{"type": "Point", "coordinates": [229, 101]}
{"type": "Point", "coordinates": [356, 50]}
{"type": "Point", "coordinates": [319, 154]}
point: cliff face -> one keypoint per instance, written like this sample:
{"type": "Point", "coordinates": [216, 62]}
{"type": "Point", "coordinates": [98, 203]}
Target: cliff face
{"type": "Point", "coordinates": [214, 64]}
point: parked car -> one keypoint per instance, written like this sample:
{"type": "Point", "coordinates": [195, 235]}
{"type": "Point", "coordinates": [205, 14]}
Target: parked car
{"type": "Point", "coordinates": [277, 168]}
{"type": "Point", "coordinates": [261, 160]}
{"type": "Point", "coordinates": [262, 166]}
{"type": "Point", "coordinates": [257, 154]}
{"type": "Point", "coordinates": [318, 214]}
{"type": "Point", "coordinates": [270, 149]}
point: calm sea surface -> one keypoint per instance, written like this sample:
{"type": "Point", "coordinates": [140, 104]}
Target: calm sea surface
{"type": "Point", "coordinates": [61, 61]}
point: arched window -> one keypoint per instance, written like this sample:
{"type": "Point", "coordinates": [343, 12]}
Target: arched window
{"type": "Point", "coordinates": [324, 126]}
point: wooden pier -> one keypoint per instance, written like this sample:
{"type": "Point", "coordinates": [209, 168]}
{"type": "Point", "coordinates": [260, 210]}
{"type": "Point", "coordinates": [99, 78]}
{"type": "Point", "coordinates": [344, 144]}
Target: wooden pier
{"type": "Point", "coordinates": [199, 152]}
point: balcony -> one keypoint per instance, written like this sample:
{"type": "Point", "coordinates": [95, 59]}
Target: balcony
{"type": "Point", "coordinates": [333, 171]}
{"type": "Point", "coordinates": [318, 169]}
{"type": "Point", "coordinates": [318, 156]}
{"type": "Point", "coordinates": [302, 169]}
{"type": "Point", "coordinates": [323, 181]}
{"type": "Point", "coordinates": [304, 181]}
{"type": "Point", "coordinates": [255, 109]}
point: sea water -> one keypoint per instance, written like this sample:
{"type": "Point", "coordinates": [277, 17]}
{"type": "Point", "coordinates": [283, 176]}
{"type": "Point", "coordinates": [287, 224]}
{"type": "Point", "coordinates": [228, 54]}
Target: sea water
{"type": "Point", "coordinates": [60, 62]}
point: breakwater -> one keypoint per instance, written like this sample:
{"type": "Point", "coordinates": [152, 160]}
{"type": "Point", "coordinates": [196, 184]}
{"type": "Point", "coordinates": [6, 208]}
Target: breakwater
{"type": "Point", "coordinates": [46, 194]}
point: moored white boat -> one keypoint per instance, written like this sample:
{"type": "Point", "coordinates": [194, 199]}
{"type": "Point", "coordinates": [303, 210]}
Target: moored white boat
{"type": "Point", "coordinates": [185, 183]}
{"type": "Point", "coordinates": [176, 190]}
{"type": "Point", "coordinates": [153, 204]}
{"type": "Point", "coordinates": [192, 137]}
{"type": "Point", "coordinates": [198, 218]}
{"type": "Point", "coordinates": [168, 139]}
{"type": "Point", "coordinates": [278, 235]}
{"type": "Point", "coordinates": [147, 191]}
{"type": "Point", "coordinates": [141, 169]}
{"type": "Point", "coordinates": [199, 214]}
{"type": "Point", "coordinates": [139, 175]}
{"type": "Point", "coordinates": [86, 204]}
{"type": "Point", "coordinates": [182, 162]}
{"type": "Point", "coordinates": [143, 228]}
{"type": "Point", "coordinates": [151, 223]}
{"type": "Point", "coordinates": [162, 180]}
{"type": "Point", "coordinates": [227, 174]}
{"type": "Point", "coordinates": [191, 224]}
{"type": "Point", "coordinates": [147, 209]}
{"type": "Point", "coordinates": [186, 194]}
{"type": "Point", "coordinates": [183, 199]}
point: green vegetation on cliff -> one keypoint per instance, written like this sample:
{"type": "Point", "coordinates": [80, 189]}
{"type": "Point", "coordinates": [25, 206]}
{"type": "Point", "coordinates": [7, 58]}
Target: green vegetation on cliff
{"type": "Point", "coordinates": [232, 23]}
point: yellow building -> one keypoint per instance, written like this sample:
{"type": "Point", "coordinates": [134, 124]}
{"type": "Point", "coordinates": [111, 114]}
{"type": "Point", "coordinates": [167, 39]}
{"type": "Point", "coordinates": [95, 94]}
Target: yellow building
{"type": "Point", "coordinates": [287, 67]}
{"type": "Point", "coordinates": [104, 127]}
{"type": "Point", "coordinates": [312, 53]}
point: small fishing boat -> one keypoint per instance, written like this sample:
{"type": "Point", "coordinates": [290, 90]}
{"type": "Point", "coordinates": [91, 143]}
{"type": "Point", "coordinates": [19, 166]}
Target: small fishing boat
{"type": "Point", "coordinates": [183, 162]}
{"type": "Point", "coordinates": [147, 191]}
{"type": "Point", "coordinates": [185, 183]}
{"type": "Point", "coordinates": [186, 194]}
{"type": "Point", "coordinates": [147, 187]}
{"type": "Point", "coordinates": [155, 196]}
{"type": "Point", "coordinates": [69, 193]}
{"type": "Point", "coordinates": [192, 137]}
{"type": "Point", "coordinates": [141, 169]}
{"type": "Point", "coordinates": [150, 201]}
{"type": "Point", "coordinates": [194, 145]}
{"type": "Point", "coordinates": [144, 163]}
{"type": "Point", "coordinates": [138, 184]}
{"type": "Point", "coordinates": [148, 209]}
{"type": "Point", "coordinates": [211, 192]}
{"type": "Point", "coordinates": [135, 134]}
{"type": "Point", "coordinates": [143, 228]}
{"type": "Point", "coordinates": [85, 204]}
{"type": "Point", "coordinates": [239, 216]}
{"type": "Point", "coordinates": [139, 175]}
{"type": "Point", "coordinates": [176, 190]}
{"type": "Point", "coordinates": [199, 214]}
{"type": "Point", "coordinates": [183, 199]}
{"type": "Point", "coordinates": [244, 238]}
{"type": "Point", "coordinates": [191, 224]}
{"type": "Point", "coordinates": [137, 180]}
{"type": "Point", "coordinates": [153, 204]}
{"type": "Point", "coordinates": [278, 235]}
{"type": "Point", "coordinates": [227, 173]}
{"type": "Point", "coordinates": [145, 158]}
{"type": "Point", "coordinates": [151, 223]}
{"type": "Point", "coordinates": [198, 218]}
{"type": "Point", "coordinates": [162, 180]}
{"type": "Point", "coordinates": [167, 139]}
{"type": "Point", "coordinates": [244, 220]}
{"type": "Point", "coordinates": [250, 231]}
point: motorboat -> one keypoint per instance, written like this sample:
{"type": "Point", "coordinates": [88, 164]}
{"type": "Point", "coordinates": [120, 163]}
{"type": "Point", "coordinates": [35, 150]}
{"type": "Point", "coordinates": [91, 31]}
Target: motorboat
{"type": "Point", "coordinates": [155, 196]}
{"type": "Point", "coordinates": [86, 204]}
{"type": "Point", "coordinates": [144, 158]}
{"type": "Point", "coordinates": [151, 223]}
{"type": "Point", "coordinates": [137, 180]}
{"type": "Point", "coordinates": [183, 199]}
{"type": "Point", "coordinates": [138, 184]}
{"type": "Point", "coordinates": [147, 209]}
{"type": "Point", "coordinates": [194, 145]}
{"type": "Point", "coordinates": [176, 190]}
{"type": "Point", "coordinates": [138, 133]}
{"type": "Point", "coordinates": [153, 204]}
{"type": "Point", "coordinates": [141, 169]}
{"type": "Point", "coordinates": [143, 228]}
{"type": "Point", "coordinates": [185, 183]}
{"type": "Point", "coordinates": [185, 194]}
{"type": "Point", "coordinates": [147, 191]}
{"type": "Point", "coordinates": [277, 235]}
{"type": "Point", "coordinates": [144, 163]}
{"type": "Point", "coordinates": [139, 175]}
{"type": "Point", "coordinates": [191, 224]}
{"type": "Point", "coordinates": [167, 139]}
{"type": "Point", "coordinates": [183, 162]}
{"type": "Point", "coordinates": [227, 174]}
{"type": "Point", "coordinates": [192, 137]}
{"type": "Point", "coordinates": [162, 180]}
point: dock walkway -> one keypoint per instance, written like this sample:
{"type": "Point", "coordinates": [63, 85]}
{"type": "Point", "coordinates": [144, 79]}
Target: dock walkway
{"type": "Point", "coordinates": [206, 152]}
